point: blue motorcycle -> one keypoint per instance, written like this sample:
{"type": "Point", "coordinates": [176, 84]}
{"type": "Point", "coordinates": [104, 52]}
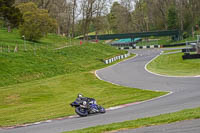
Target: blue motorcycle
{"type": "Point", "coordinates": [85, 106]}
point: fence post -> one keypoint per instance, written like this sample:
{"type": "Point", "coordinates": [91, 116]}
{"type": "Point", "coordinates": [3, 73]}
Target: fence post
{"type": "Point", "coordinates": [34, 49]}
{"type": "Point", "coordinates": [8, 49]}
{"type": "Point", "coordinates": [16, 49]}
{"type": "Point", "coordinates": [1, 49]}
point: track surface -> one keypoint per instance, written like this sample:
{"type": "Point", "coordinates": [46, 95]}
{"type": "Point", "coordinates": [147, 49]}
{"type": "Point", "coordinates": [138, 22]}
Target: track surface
{"type": "Point", "coordinates": [186, 94]}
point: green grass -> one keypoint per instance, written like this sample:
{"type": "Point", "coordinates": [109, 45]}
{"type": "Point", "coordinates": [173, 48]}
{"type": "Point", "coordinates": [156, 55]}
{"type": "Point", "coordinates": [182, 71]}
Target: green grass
{"type": "Point", "coordinates": [35, 87]}
{"type": "Point", "coordinates": [187, 114]}
{"type": "Point", "coordinates": [40, 85]}
{"type": "Point", "coordinates": [51, 41]}
{"type": "Point", "coordinates": [26, 66]}
{"type": "Point", "coordinates": [174, 65]}
{"type": "Point", "coordinates": [50, 98]}
{"type": "Point", "coordinates": [174, 50]}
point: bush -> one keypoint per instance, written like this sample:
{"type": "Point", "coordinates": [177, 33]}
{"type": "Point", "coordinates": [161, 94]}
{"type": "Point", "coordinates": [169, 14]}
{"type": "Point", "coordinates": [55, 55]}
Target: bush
{"type": "Point", "coordinates": [2, 24]}
{"type": "Point", "coordinates": [185, 35]}
{"type": "Point", "coordinates": [37, 22]}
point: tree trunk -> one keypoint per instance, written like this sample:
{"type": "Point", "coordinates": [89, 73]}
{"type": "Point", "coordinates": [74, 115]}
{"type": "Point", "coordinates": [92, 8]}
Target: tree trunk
{"type": "Point", "coordinates": [58, 30]}
{"type": "Point", "coordinates": [9, 28]}
{"type": "Point", "coordinates": [193, 31]}
{"type": "Point", "coordinates": [73, 21]}
{"type": "Point", "coordinates": [96, 36]}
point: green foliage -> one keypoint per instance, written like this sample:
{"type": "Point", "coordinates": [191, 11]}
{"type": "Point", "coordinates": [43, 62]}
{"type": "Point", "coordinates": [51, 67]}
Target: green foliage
{"type": "Point", "coordinates": [172, 18]}
{"type": "Point", "coordinates": [185, 35]}
{"type": "Point", "coordinates": [9, 13]}
{"type": "Point", "coordinates": [2, 24]}
{"type": "Point", "coordinates": [37, 22]}
{"type": "Point", "coordinates": [112, 17]}
{"type": "Point", "coordinates": [119, 19]}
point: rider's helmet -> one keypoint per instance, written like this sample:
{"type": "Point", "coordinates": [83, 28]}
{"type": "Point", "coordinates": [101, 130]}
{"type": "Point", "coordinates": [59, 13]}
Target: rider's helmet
{"type": "Point", "coordinates": [80, 95]}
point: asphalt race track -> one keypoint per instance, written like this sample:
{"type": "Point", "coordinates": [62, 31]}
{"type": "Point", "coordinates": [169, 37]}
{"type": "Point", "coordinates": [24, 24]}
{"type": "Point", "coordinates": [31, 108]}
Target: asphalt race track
{"type": "Point", "coordinates": [186, 94]}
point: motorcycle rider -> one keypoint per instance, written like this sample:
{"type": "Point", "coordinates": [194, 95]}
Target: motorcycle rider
{"type": "Point", "coordinates": [87, 102]}
{"type": "Point", "coordinates": [86, 99]}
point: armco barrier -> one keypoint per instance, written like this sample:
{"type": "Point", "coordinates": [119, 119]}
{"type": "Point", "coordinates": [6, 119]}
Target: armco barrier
{"type": "Point", "coordinates": [141, 47]}
{"type": "Point", "coordinates": [108, 61]}
{"type": "Point", "coordinates": [193, 56]}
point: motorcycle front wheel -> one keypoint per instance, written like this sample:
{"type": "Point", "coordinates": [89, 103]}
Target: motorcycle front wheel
{"type": "Point", "coordinates": [81, 111]}
{"type": "Point", "coordinates": [102, 110]}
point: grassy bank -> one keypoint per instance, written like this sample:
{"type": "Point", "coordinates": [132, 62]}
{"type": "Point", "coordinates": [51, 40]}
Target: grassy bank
{"type": "Point", "coordinates": [40, 86]}
{"type": "Point", "coordinates": [174, 65]}
{"type": "Point", "coordinates": [50, 98]}
{"type": "Point", "coordinates": [26, 66]}
{"type": "Point", "coordinates": [51, 41]}
{"type": "Point", "coordinates": [144, 122]}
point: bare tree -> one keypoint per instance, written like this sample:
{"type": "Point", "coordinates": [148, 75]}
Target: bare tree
{"type": "Point", "coordinates": [74, 7]}
{"type": "Point", "coordinates": [90, 9]}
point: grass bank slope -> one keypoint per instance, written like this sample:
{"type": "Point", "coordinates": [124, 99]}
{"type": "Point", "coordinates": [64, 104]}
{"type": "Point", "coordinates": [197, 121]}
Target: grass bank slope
{"type": "Point", "coordinates": [27, 66]}
{"type": "Point", "coordinates": [51, 41]}
{"type": "Point", "coordinates": [174, 65]}
{"type": "Point", "coordinates": [40, 86]}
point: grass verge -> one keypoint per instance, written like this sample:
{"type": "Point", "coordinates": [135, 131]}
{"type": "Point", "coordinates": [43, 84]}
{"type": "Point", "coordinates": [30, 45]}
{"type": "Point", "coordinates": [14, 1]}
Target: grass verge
{"type": "Point", "coordinates": [174, 65]}
{"type": "Point", "coordinates": [150, 121]}
{"type": "Point", "coordinates": [174, 50]}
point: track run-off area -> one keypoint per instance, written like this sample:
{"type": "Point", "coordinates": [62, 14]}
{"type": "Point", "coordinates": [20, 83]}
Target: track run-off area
{"type": "Point", "coordinates": [184, 93]}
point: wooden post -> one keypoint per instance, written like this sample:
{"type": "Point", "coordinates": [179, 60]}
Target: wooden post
{"type": "Point", "coordinates": [198, 44]}
{"type": "Point", "coordinates": [8, 49]}
{"type": "Point", "coordinates": [1, 49]}
{"type": "Point", "coordinates": [16, 49]}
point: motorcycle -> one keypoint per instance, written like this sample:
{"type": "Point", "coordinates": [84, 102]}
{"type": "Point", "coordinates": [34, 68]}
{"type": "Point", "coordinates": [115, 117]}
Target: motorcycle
{"type": "Point", "coordinates": [85, 106]}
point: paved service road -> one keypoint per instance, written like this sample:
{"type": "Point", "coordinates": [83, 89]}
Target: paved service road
{"type": "Point", "coordinates": [186, 94]}
{"type": "Point", "coordinates": [191, 126]}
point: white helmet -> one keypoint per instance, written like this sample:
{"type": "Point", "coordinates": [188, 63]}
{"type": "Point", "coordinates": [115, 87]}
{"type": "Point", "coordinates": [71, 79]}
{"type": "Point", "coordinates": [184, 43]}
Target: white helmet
{"type": "Point", "coordinates": [80, 95]}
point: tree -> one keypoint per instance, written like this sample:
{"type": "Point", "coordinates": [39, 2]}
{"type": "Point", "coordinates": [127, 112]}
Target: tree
{"type": "Point", "coordinates": [172, 18]}
{"type": "Point", "coordinates": [120, 19]}
{"type": "Point", "coordinates": [74, 7]}
{"type": "Point", "coordinates": [91, 9]}
{"type": "Point", "coordinates": [10, 14]}
{"type": "Point", "coordinates": [61, 10]}
{"type": "Point", "coordinates": [37, 22]}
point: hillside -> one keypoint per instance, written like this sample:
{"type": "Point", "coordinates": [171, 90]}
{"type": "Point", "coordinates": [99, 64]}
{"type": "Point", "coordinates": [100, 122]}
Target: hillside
{"type": "Point", "coordinates": [30, 65]}
{"type": "Point", "coordinates": [51, 41]}
{"type": "Point", "coordinates": [40, 85]}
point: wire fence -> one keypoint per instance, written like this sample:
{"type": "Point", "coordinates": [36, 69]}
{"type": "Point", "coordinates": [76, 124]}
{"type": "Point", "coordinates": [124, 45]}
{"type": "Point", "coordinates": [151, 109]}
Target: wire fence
{"type": "Point", "coordinates": [7, 48]}
{"type": "Point", "coordinates": [10, 46]}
